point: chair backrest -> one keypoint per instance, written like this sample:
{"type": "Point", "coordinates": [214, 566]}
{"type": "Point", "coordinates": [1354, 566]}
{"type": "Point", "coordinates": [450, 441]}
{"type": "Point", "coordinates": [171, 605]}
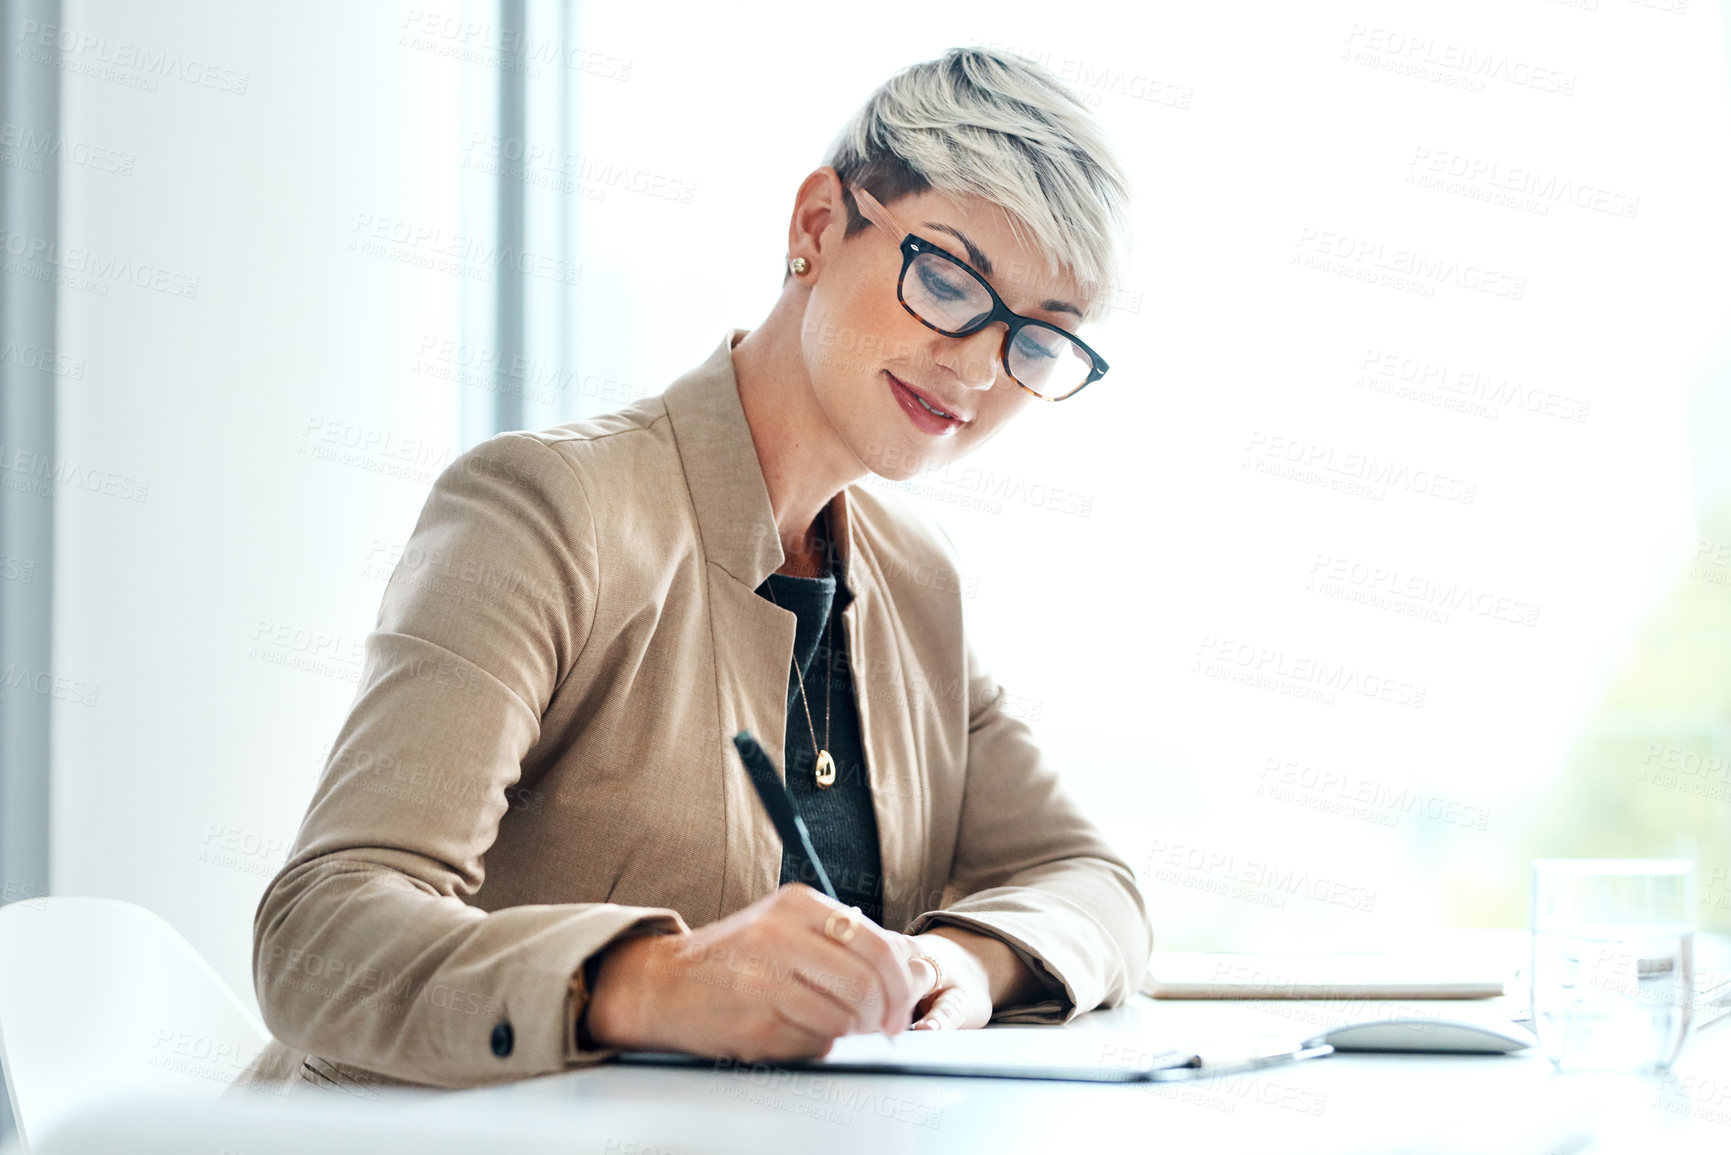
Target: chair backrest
{"type": "Point", "coordinates": [102, 999]}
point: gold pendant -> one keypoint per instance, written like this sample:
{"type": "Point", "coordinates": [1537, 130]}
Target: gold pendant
{"type": "Point", "coordinates": [825, 769]}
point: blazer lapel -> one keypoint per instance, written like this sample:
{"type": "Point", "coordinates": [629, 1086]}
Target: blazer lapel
{"type": "Point", "coordinates": [753, 646]}
{"type": "Point", "coordinates": [752, 640]}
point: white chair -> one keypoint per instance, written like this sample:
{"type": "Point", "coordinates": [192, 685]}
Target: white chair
{"type": "Point", "coordinates": [102, 999]}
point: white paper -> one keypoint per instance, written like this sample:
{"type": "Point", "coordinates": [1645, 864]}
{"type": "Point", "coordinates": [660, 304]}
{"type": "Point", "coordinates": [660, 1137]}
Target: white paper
{"type": "Point", "coordinates": [1001, 1048]}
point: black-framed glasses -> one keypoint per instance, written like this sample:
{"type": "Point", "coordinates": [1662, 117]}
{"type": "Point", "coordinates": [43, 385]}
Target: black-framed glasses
{"type": "Point", "coordinates": [949, 296]}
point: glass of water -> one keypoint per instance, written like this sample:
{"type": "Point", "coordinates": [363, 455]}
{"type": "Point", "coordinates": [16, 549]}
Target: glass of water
{"type": "Point", "coordinates": [1613, 967]}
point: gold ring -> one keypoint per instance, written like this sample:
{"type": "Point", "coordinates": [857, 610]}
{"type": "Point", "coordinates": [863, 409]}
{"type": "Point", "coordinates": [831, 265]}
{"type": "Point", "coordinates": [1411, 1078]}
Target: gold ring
{"type": "Point", "coordinates": [937, 971]}
{"type": "Point", "coordinates": [829, 927]}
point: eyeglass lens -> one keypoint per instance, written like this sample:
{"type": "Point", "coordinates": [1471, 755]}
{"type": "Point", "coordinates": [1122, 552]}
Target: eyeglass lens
{"type": "Point", "coordinates": [946, 296]}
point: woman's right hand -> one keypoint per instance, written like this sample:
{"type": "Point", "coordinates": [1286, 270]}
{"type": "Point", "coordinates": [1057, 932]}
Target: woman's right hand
{"type": "Point", "coordinates": [763, 983]}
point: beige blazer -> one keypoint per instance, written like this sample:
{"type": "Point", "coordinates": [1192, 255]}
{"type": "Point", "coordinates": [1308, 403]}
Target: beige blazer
{"type": "Point", "coordinates": [537, 759]}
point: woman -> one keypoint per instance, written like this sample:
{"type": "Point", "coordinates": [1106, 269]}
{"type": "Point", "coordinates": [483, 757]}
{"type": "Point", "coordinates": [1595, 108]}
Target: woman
{"type": "Point", "coordinates": [533, 844]}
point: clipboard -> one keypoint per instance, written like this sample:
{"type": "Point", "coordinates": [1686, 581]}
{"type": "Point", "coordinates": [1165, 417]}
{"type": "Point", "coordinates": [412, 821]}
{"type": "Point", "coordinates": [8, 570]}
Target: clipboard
{"type": "Point", "coordinates": [1055, 1053]}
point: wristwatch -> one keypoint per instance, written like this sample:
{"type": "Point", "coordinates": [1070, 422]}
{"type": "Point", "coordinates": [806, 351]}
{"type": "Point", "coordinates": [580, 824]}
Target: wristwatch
{"type": "Point", "coordinates": [583, 981]}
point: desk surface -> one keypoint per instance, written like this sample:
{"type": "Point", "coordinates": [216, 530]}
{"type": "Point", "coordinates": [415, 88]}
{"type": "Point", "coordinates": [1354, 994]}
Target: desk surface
{"type": "Point", "coordinates": [1340, 1103]}
{"type": "Point", "coordinates": [1481, 1103]}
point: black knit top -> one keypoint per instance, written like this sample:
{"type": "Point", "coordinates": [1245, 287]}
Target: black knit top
{"type": "Point", "coordinates": [842, 823]}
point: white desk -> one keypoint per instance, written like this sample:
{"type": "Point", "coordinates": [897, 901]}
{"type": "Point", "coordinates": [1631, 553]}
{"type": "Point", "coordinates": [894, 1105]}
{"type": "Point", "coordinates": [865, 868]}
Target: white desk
{"type": "Point", "coordinates": [1340, 1103]}
{"type": "Point", "coordinates": [1479, 1103]}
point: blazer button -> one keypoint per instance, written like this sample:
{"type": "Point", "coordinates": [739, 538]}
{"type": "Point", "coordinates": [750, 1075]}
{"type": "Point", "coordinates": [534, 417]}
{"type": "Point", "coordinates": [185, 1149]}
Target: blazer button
{"type": "Point", "coordinates": [503, 1039]}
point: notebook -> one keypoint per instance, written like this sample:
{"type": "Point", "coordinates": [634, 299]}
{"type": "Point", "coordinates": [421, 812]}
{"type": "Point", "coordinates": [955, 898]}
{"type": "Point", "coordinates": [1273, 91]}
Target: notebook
{"type": "Point", "coordinates": [1097, 1056]}
{"type": "Point", "coordinates": [1371, 975]}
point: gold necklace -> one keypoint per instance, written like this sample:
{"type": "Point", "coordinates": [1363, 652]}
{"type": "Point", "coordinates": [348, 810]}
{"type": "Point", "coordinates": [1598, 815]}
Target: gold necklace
{"type": "Point", "coordinates": [825, 769]}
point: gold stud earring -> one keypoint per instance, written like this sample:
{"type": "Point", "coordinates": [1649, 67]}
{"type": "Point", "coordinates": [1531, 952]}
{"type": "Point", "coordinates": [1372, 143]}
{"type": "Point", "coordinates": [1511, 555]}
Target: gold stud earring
{"type": "Point", "coordinates": [799, 265]}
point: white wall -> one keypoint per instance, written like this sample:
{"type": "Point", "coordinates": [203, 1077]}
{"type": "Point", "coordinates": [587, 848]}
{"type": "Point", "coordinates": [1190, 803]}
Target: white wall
{"type": "Point", "coordinates": [1261, 139]}
{"type": "Point", "coordinates": [182, 786]}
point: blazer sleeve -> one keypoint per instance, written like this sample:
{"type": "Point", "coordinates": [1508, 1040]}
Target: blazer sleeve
{"type": "Point", "coordinates": [1036, 873]}
{"type": "Point", "coordinates": [365, 951]}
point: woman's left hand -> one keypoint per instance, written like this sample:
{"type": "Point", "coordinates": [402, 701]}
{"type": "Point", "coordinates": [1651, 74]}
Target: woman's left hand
{"type": "Point", "coordinates": [962, 998]}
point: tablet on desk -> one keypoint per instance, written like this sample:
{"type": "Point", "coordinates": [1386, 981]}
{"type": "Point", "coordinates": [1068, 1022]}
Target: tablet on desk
{"type": "Point", "coordinates": [1097, 1056]}
{"type": "Point", "coordinates": [1329, 975]}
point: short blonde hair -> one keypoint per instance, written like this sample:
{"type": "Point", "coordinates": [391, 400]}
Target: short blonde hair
{"type": "Point", "coordinates": [990, 124]}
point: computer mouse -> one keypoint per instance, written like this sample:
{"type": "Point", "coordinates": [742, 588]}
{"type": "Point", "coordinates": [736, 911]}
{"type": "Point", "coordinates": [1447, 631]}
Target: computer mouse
{"type": "Point", "coordinates": [1437, 1036]}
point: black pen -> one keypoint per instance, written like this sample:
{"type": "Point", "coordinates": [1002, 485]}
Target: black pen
{"type": "Point", "coordinates": [779, 803]}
